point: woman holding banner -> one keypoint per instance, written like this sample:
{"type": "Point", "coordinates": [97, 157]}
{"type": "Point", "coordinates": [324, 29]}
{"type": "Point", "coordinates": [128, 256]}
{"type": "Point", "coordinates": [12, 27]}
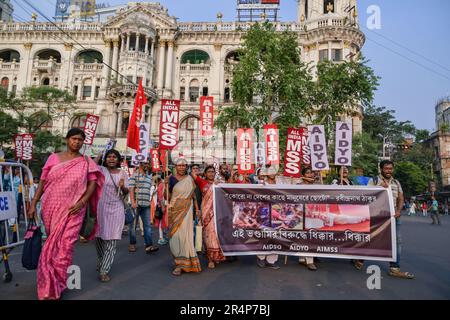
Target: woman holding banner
{"type": "Point", "coordinates": [69, 183]}
{"type": "Point", "coordinates": [213, 250]}
{"type": "Point", "coordinates": [181, 222]}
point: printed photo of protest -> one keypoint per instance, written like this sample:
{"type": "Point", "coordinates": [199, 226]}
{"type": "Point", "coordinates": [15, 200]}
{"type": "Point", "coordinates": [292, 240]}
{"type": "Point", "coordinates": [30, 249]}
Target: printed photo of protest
{"type": "Point", "coordinates": [337, 217]}
{"type": "Point", "coordinates": [251, 215]}
{"type": "Point", "coordinates": [287, 216]}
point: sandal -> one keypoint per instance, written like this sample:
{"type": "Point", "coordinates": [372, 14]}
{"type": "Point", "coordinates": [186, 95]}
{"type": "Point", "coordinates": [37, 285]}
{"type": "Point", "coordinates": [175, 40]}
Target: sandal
{"type": "Point", "coordinates": [395, 272]}
{"type": "Point", "coordinates": [105, 278]}
{"type": "Point", "coordinates": [311, 267]}
{"type": "Point", "coordinates": [211, 265]}
{"type": "Point", "coordinates": [132, 248]}
{"type": "Point", "coordinates": [151, 249]}
{"type": "Point", "coordinates": [177, 272]}
{"type": "Point", "coordinates": [358, 264]}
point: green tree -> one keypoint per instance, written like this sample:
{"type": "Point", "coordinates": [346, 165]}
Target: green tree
{"type": "Point", "coordinates": [411, 177]}
{"type": "Point", "coordinates": [269, 80]}
{"type": "Point", "coordinates": [365, 153]}
{"type": "Point", "coordinates": [422, 135]}
{"type": "Point", "coordinates": [418, 154]}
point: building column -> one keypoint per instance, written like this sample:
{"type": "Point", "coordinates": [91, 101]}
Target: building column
{"type": "Point", "coordinates": [105, 70]}
{"type": "Point", "coordinates": [26, 67]}
{"type": "Point", "coordinates": [128, 41]}
{"type": "Point", "coordinates": [169, 66]}
{"type": "Point", "coordinates": [115, 59]}
{"type": "Point", "coordinates": [162, 47]}
{"type": "Point", "coordinates": [119, 122]}
{"type": "Point", "coordinates": [138, 37]}
{"type": "Point", "coordinates": [122, 47]}
{"type": "Point", "coordinates": [329, 50]}
{"type": "Point", "coordinates": [152, 50]}
{"type": "Point", "coordinates": [146, 45]}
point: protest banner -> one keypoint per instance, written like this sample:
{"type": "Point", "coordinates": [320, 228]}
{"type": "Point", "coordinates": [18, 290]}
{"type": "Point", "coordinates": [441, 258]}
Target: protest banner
{"type": "Point", "coordinates": [18, 145]}
{"type": "Point", "coordinates": [298, 220]}
{"type": "Point", "coordinates": [271, 135]}
{"type": "Point", "coordinates": [142, 155]}
{"type": "Point", "coordinates": [133, 134]}
{"type": "Point", "coordinates": [168, 124]}
{"type": "Point", "coordinates": [293, 153]}
{"type": "Point", "coordinates": [244, 151]}
{"type": "Point", "coordinates": [90, 127]}
{"type": "Point", "coordinates": [27, 147]}
{"type": "Point", "coordinates": [306, 150]}
{"type": "Point", "coordinates": [207, 116]}
{"type": "Point", "coordinates": [154, 156]}
{"type": "Point", "coordinates": [318, 146]}
{"type": "Point", "coordinates": [343, 148]}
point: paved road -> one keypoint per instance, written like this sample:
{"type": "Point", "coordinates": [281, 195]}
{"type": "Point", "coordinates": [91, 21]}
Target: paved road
{"type": "Point", "coordinates": [143, 276]}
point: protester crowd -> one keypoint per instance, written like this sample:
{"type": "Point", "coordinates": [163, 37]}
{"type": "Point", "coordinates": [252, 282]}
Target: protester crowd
{"type": "Point", "coordinates": [172, 203]}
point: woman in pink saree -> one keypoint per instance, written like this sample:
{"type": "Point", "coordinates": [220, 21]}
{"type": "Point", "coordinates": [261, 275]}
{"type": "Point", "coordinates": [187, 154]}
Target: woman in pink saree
{"type": "Point", "coordinates": [69, 183]}
{"type": "Point", "coordinates": [213, 250]}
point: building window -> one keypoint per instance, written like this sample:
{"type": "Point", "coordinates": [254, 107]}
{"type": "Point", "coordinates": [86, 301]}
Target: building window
{"type": "Point", "coordinates": [87, 91]}
{"type": "Point", "coordinates": [195, 57]}
{"type": "Point", "coordinates": [14, 89]}
{"type": "Point", "coordinates": [79, 121]}
{"type": "Point", "coordinates": [182, 93]}
{"type": "Point", "coordinates": [75, 90]}
{"type": "Point", "coordinates": [205, 91]}
{"type": "Point", "coordinates": [336, 54]}
{"type": "Point", "coordinates": [323, 55]}
{"type": "Point", "coordinates": [328, 6]}
{"type": "Point", "coordinates": [193, 93]}
{"type": "Point", "coordinates": [97, 91]}
{"type": "Point", "coordinates": [227, 95]}
{"type": "Point", "coordinates": [125, 122]}
{"type": "Point", "coordinates": [46, 82]}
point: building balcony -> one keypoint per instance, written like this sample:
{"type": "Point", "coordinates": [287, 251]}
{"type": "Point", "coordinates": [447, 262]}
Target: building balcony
{"type": "Point", "coordinates": [88, 67]}
{"type": "Point", "coordinates": [136, 55]}
{"type": "Point", "coordinates": [194, 69]}
{"type": "Point", "coordinates": [129, 91]}
{"type": "Point", "coordinates": [46, 65]}
{"type": "Point", "coordinates": [47, 26]}
{"type": "Point", "coordinates": [5, 66]}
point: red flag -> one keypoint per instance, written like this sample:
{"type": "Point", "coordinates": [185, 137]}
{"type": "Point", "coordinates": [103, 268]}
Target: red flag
{"type": "Point", "coordinates": [136, 116]}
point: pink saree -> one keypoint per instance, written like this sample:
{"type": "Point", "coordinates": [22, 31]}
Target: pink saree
{"type": "Point", "coordinates": [65, 184]}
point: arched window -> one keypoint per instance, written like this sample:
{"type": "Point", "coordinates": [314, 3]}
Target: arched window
{"type": "Point", "coordinates": [195, 57]}
{"type": "Point", "coordinates": [194, 88]}
{"type": "Point", "coordinates": [47, 53]}
{"type": "Point", "coordinates": [190, 140]}
{"type": "Point", "coordinates": [89, 56]}
{"type": "Point", "coordinates": [10, 55]}
{"type": "Point", "coordinates": [79, 121]}
{"type": "Point", "coordinates": [328, 6]}
{"type": "Point", "coordinates": [42, 121]}
{"type": "Point", "coordinates": [46, 82]}
{"type": "Point", "coordinates": [5, 83]}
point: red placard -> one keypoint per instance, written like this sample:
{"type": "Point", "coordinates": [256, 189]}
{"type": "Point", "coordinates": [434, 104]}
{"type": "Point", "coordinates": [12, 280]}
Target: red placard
{"type": "Point", "coordinates": [90, 127]}
{"type": "Point", "coordinates": [293, 153]}
{"type": "Point", "coordinates": [272, 144]}
{"type": "Point", "coordinates": [306, 150]}
{"type": "Point", "coordinates": [168, 124]}
{"type": "Point", "coordinates": [244, 151]}
{"type": "Point", "coordinates": [207, 115]}
{"type": "Point", "coordinates": [154, 156]}
{"type": "Point", "coordinates": [27, 146]}
{"type": "Point", "coordinates": [18, 145]}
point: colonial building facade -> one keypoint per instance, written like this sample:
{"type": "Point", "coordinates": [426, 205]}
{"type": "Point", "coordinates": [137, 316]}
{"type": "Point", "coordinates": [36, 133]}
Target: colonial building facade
{"type": "Point", "coordinates": [101, 62]}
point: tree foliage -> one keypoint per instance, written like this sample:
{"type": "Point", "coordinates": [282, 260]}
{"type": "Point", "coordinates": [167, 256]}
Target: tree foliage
{"type": "Point", "coordinates": [365, 153]}
{"type": "Point", "coordinates": [412, 178]}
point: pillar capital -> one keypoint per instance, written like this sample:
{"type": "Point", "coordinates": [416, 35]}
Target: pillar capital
{"type": "Point", "coordinates": [27, 45]}
{"type": "Point", "coordinates": [115, 43]}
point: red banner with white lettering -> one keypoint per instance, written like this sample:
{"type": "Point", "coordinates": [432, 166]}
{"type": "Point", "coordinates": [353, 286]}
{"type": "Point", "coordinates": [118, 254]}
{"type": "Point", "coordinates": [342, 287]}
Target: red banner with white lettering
{"type": "Point", "coordinates": [293, 153]}
{"type": "Point", "coordinates": [207, 116]}
{"type": "Point", "coordinates": [27, 146]}
{"type": "Point", "coordinates": [272, 144]}
{"type": "Point", "coordinates": [244, 151]}
{"type": "Point", "coordinates": [168, 124]}
{"type": "Point", "coordinates": [90, 127]}
{"type": "Point", "coordinates": [154, 156]}
{"type": "Point", "coordinates": [18, 143]}
{"type": "Point", "coordinates": [133, 133]}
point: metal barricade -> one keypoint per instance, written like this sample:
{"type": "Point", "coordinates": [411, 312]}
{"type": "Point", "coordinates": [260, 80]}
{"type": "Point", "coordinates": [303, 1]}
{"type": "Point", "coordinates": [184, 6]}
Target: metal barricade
{"type": "Point", "coordinates": [10, 224]}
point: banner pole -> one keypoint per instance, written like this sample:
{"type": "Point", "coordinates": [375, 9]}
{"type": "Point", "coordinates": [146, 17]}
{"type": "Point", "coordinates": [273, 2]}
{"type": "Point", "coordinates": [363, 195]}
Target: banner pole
{"type": "Point", "coordinates": [342, 175]}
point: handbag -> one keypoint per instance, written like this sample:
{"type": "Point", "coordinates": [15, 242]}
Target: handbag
{"type": "Point", "coordinates": [89, 219]}
{"type": "Point", "coordinates": [129, 211]}
{"type": "Point", "coordinates": [32, 246]}
{"type": "Point", "coordinates": [198, 236]}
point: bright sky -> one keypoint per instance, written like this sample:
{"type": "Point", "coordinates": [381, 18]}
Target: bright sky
{"type": "Point", "coordinates": [414, 76]}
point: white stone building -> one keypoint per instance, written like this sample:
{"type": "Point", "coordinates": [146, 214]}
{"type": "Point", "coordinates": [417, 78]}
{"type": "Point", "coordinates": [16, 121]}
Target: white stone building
{"type": "Point", "coordinates": [179, 60]}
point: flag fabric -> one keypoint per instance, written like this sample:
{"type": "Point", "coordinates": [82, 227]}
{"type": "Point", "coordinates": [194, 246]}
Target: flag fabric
{"type": "Point", "coordinates": [136, 116]}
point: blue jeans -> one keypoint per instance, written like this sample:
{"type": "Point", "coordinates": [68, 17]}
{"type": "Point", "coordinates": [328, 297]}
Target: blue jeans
{"type": "Point", "coordinates": [396, 264]}
{"type": "Point", "coordinates": [144, 213]}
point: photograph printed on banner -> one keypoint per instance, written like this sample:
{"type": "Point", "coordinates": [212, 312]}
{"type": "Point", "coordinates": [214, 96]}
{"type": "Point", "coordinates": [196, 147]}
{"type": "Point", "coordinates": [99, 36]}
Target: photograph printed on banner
{"type": "Point", "coordinates": [337, 217]}
{"type": "Point", "coordinates": [251, 215]}
{"type": "Point", "coordinates": [287, 216]}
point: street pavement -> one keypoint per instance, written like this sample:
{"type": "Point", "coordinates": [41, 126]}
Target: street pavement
{"type": "Point", "coordinates": [137, 276]}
